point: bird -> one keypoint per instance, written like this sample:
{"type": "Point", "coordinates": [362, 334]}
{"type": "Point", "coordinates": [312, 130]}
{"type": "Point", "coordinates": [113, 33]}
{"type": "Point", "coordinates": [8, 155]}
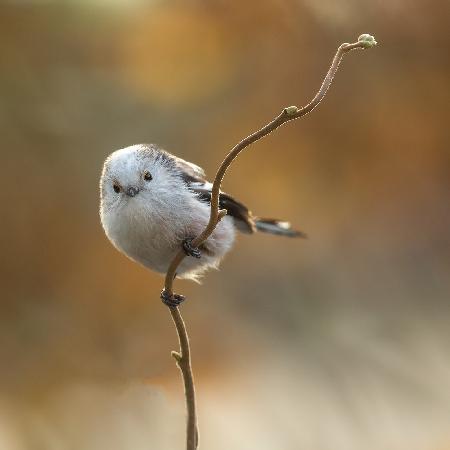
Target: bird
{"type": "Point", "coordinates": [152, 203]}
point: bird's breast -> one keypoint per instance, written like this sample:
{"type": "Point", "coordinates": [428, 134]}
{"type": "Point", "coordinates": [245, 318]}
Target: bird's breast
{"type": "Point", "coordinates": [143, 236]}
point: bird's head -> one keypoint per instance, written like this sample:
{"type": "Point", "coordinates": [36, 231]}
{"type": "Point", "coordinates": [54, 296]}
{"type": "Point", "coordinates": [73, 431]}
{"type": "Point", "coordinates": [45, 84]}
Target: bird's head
{"type": "Point", "coordinates": [140, 175]}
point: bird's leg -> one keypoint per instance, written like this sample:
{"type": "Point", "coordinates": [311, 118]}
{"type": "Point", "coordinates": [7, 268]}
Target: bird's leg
{"type": "Point", "coordinates": [172, 300]}
{"type": "Point", "coordinates": [189, 250]}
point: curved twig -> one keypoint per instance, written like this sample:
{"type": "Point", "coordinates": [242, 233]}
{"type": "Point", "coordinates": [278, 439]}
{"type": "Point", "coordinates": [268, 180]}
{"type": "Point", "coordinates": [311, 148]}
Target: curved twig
{"type": "Point", "coordinates": [286, 115]}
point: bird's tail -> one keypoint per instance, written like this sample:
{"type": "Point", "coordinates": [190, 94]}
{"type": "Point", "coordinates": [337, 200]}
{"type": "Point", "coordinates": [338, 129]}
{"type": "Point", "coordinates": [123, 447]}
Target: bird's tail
{"type": "Point", "coordinates": [275, 226]}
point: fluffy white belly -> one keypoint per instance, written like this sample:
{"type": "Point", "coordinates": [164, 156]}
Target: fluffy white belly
{"type": "Point", "coordinates": [154, 241]}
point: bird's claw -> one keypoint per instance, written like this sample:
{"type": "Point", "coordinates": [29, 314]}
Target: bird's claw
{"type": "Point", "coordinates": [172, 300]}
{"type": "Point", "coordinates": [190, 250]}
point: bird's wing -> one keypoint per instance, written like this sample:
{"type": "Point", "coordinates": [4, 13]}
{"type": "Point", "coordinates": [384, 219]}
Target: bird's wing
{"type": "Point", "coordinates": [189, 169]}
{"type": "Point", "coordinates": [240, 213]}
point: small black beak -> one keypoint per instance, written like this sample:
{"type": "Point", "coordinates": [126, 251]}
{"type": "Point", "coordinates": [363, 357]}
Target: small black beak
{"type": "Point", "coordinates": [131, 191]}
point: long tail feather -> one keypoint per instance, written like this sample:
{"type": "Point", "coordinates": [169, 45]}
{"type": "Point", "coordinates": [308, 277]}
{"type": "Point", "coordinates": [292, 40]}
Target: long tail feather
{"type": "Point", "coordinates": [280, 227]}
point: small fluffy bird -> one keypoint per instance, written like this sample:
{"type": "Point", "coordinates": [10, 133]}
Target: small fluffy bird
{"type": "Point", "coordinates": [152, 202]}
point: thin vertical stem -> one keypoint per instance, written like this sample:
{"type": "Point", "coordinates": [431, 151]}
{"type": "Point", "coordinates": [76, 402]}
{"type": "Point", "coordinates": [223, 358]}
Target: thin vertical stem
{"type": "Point", "coordinates": [183, 359]}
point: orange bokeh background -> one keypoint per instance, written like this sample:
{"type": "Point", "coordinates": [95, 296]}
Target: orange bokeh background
{"type": "Point", "coordinates": [337, 342]}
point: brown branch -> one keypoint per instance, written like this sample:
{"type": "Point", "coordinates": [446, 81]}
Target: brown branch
{"type": "Point", "coordinates": [183, 360]}
{"type": "Point", "coordinates": [286, 115]}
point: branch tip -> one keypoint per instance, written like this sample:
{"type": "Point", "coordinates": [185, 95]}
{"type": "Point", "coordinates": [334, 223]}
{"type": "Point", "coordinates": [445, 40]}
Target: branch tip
{"type": "Point", "coordinates": [367, 40]}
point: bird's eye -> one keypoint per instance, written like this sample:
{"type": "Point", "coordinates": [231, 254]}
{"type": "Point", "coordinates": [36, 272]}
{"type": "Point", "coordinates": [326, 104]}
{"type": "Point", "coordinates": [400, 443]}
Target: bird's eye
{"type": "Point", "coordinates": [116, 188]}
{"type": "Point", "coordinates": [148, 176]}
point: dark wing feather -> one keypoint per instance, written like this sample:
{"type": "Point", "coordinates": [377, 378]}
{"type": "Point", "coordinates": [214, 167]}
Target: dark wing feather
{"type": "Point", "coordinates": [243, 218]}
{"type": "Point", "coordinates": [194, 178]}
{"type": "Point", "coordinates": [240, 213]}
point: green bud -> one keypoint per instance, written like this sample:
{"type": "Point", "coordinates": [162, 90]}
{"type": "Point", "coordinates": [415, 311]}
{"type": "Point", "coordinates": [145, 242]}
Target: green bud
{"type": "Point", "coordinates": [367, 40]}
{"type": "Point", "coordinates": [291, 110]}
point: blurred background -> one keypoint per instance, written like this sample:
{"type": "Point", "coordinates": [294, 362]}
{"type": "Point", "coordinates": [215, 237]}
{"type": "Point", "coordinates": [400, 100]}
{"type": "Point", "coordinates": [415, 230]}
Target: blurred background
{"type": "Point", "coordinates": [337, 342]}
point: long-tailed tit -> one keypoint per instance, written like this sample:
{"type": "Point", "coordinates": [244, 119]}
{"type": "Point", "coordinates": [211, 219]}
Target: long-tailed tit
{"type": "Point", "coordinates": [153, 202]}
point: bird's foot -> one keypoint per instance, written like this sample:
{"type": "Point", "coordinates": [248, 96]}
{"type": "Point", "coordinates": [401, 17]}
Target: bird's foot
{"type": "Point", "coordinates": [190, 250]}
{"type": "Point", "coordinates": [172, 300]}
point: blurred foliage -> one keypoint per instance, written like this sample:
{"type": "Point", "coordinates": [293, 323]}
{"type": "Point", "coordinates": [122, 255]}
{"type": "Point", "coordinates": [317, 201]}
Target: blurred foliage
{"type": "Point", "coordinates": [337, 342]}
